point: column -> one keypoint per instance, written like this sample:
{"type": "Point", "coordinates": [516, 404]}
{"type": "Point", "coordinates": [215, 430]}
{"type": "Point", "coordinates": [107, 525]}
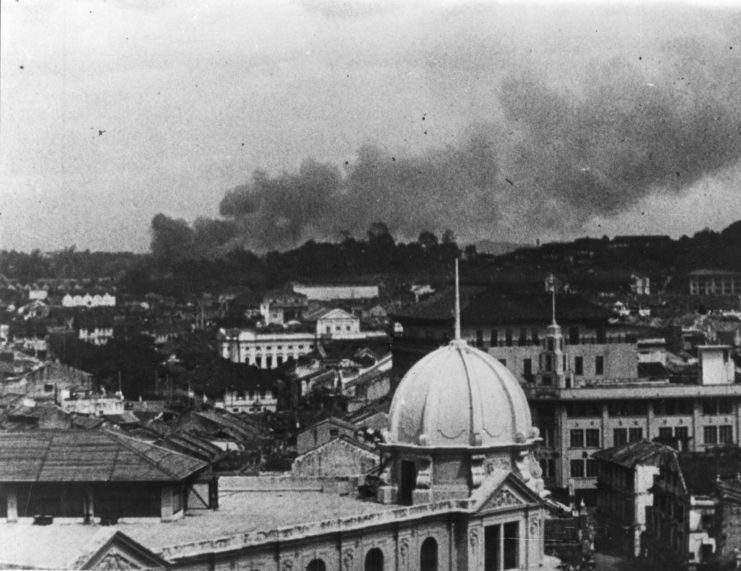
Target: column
{"type": "Point", "coordinates": [563, 446]}
{"type": "Point", "coordinates": [696, 431]}
{"type": "Point", "coordinates": [650, 420]}
{"type": "Point", "coordinates": [166, 503]}
{"type": "Point", "coordinates": [12, 504]}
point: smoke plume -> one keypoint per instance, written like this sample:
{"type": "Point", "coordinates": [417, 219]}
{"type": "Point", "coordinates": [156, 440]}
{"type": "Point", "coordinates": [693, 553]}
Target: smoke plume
{"type": "Point", "coordinates": [551, 154]}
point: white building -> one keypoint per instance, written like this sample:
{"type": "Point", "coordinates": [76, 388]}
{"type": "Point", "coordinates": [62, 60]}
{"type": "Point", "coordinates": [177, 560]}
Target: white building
{"type": "Point", "coordinates": [326, 292]}
{"type": "Point", "coordinates": [89, 300]}
{"type": "Point", "coordinates": [250, 399]}
{"type": "Point", "coordinates": [337, 324]}
{"type": "Point", "coordinates": [264, 350]}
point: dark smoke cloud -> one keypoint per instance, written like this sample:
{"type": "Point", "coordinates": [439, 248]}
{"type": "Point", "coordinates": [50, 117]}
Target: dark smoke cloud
{"type": "Point", "coordinates": [553, 155]}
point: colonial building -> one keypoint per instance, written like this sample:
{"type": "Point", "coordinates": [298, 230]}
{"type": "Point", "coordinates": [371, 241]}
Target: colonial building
{"type": "Point", "coordinates": [337, 324]}
{"type": "Point", "coordinates": [264, 349]}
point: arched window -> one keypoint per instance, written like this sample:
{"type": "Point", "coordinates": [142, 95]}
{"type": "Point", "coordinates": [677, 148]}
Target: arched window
{"type": "Point", "coordinates": [316, 565]}
{"type": "Point", "coordinates": [374, 560]}
{"type": "Point", "coordinates": [428, 555]}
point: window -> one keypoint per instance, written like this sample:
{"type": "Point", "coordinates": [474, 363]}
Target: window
{"type": "Point", "coordinates": [522, 341]}
{"type": "Point", "coordinates": [635, 434]}
{"type": "Point", "coordinates": [584, 409]}
{"type": "Point", "coordinates": [494, 341]}
{"type": "Point", "coordinates": [479, 338]}
{"type": "Point", "coordinates": [665, 432]}
{"type": "Point", "coordinates": [681, 432]}
{"type": "Point", "coordinates": [535, 337]}
{"type": "Point", "coordinates": [599, 365]}
{"type": "Point", "coordinates": [673, 407]}
{"type": "Point", "coordinates": [316, 565]}
{"type": "Point", "coordinates": [592, 468]}
{"type": "Point", "coordinates": [710, 434]}
{"type": "Point", "coordinates": [577, 439]}
{"type": "Point", "coordinates": [577, 468]}
{"type": "Point", "coordinates": [712, 407]}
{"type": "Point", "coordinates": [578, 365]}
{"type": "Point", "coordinates": [503, 362]}
{"type": "Point", "coordinates": [725, 434]}
{"type": "Point", "coordinates": [619, 437]}
{"type": "Point", "coordinates": [527, 369]}
{"type": "Point", "coordinates": [573, 335]}
{"type": "Point", "coordinates": [334, 432]}
{"type": "Point", "coordinates": [627, 408]}
{"type": "Point", "coordinates": [428, 555]}
{"type": "Point", "coordinates": [508, 337]}
{"type": "Point", "coordinates": [593, 438]}
{"type": "Point", "coordinates": [374, 560]}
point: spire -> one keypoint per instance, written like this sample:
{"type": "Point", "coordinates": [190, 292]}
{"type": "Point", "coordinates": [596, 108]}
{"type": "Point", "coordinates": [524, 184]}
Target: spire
{"type": "Point", "coordinates": [551, 284]}
{"type": "Point", "coordinates": [457, 334]}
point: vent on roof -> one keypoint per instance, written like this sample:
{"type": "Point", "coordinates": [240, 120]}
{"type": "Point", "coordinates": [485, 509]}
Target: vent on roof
{"type": "Point", "coordinates": [109, 520]}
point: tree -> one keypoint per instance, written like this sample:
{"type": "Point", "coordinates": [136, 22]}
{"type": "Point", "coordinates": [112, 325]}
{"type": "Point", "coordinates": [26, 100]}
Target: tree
{"type": "Point", "coordinates": [427, 240]}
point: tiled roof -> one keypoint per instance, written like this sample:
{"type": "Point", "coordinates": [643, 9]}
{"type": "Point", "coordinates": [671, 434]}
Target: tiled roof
{"type": "Point", "coordinates": [88, 456]}
{"type": "Point", "coordinates": [629, 455]}
{"type": "Point", "coordinates": [700, 471]}
{"type": "Point", "coordinates": [479, 305]}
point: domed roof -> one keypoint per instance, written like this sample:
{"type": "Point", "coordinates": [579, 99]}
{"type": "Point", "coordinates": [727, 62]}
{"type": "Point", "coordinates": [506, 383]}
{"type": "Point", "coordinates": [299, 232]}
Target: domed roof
{"type": "Point", "coordinates": [459, 396]}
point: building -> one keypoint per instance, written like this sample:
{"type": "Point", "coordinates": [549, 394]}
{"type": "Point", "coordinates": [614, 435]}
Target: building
{"type": "Point", "coordinates": [341, 456]}
{"type": "Point", "coordinates": [89, 299]}
{"type": "Point", "coordinates": [94, 327]}
{"type": "Point", "coordinates": [460, 489]}
{"type": "Point", "coordinates": [714, 282]}
{"type": "Point", "coordinates": [329, 292]}
{"type": "Point", "coordinates": [337, 324]}
{"type": "Point", "coordinates": [282, 306]}
{"type": "Point", "coordinates": [264, 348]}
{"type": "Point", "coordinates": [81, 547]}
{"type": "Point", "coordinates": [250, 398]}
{"type": "Point", "coordinates": [91, 476]}
{"type": "Point", "coordinates": [585, 381]}
{"type": "Point", "coordinates": [625, 497]}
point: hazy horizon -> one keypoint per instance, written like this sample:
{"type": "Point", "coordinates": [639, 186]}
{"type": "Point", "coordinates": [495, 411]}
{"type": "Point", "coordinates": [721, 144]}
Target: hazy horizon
{"type": "Point", "coordinates": [275, 122]}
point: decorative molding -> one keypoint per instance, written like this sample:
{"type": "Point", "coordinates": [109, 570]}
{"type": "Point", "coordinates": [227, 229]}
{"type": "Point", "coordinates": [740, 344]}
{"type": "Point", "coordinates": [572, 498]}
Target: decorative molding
{"type": "Point", "coordinates": [348, 557]}
{"type": "Point", "coordinates": [502, 499]}
{"type": "Point", "coordinates": [424, 474]}
{"type": "Point", "coordinates": [478, 469]}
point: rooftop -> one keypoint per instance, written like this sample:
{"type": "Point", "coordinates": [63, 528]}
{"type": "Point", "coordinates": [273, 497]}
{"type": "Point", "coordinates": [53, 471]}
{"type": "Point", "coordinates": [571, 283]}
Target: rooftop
{"type": "Point", "coordinates": [88, 456]}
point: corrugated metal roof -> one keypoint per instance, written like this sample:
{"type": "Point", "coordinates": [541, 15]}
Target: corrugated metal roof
{"type": "Point", "coordinates": [89, 456]}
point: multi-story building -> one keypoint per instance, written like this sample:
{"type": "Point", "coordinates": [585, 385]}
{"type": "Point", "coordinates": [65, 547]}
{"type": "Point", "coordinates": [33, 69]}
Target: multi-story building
{"type": "Point", "coordinates": [283, 305]}
{"type": "Point", "coordinates": [265, 349]}
{"type": "Point", "coordinates": [583, 381]}
{"type": "Point", "coordinates": [714, 282]}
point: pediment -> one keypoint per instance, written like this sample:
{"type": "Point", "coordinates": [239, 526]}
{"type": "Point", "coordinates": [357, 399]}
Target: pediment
{"type": "Point", "coordinates": [510, 493]}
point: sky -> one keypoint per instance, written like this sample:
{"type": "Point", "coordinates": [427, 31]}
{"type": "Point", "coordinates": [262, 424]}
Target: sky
{"type": "Point", "coordinates": [277, 121]}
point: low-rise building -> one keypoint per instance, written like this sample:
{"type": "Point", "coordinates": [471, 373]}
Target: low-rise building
{"type": "Point", "coordinates": [282, 306]}
{"type": "Point", "coordinates": [91, 476]}
{"type": "Point", "coordinates": [334, 292]}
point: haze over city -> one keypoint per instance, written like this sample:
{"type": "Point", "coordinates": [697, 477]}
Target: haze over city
{"type": "Point", "coordinates": [508, 121]}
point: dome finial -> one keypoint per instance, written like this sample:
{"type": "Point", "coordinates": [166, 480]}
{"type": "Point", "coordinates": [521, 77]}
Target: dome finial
{"type": "Point", "coordinates": [457, 333]}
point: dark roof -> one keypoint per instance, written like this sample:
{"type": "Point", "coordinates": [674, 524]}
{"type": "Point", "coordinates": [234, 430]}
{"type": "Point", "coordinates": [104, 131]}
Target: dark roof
{"type": "Point", "coordinates": [88, 456]}
{"type": "Point", "coordinates": [629, 455]}
{"type": "Point", "coordinates": [489, 306]}
{"type": "Point", "coordinates": [700, 471]}
{"type": "Point", "coordinates": [729, 489]}
{"type": "Point", "coordinates": [652, 370]}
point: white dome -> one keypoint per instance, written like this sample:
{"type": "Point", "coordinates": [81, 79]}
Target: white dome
{"type": "Point", "coordinates": [459, 396]}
